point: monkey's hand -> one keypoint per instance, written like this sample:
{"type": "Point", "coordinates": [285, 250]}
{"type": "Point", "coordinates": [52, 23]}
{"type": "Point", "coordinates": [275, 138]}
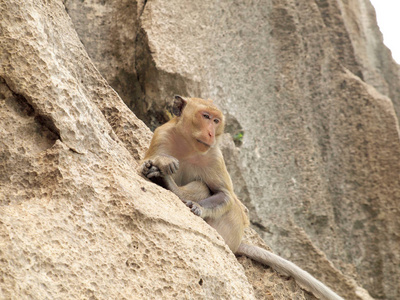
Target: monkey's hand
{"type": "Point", "coordinates": [160, 166]}
{"type": "Point", "coordinates": [194, 208]}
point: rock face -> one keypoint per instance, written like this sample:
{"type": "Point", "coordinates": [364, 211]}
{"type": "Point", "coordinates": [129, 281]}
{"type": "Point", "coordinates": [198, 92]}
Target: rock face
{"type": "Point", "coordinates": [310, 85]}
{"type": "Point", "coordinates": [76, 219]}
{"type": "Point", "coordinates": [315, 92]}
{"type": "Point", "coordinates": [319, 159]}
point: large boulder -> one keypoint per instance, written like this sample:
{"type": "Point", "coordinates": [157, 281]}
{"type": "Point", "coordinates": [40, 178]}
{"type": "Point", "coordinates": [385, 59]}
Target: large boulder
{"type": "Point", "coordinates": [310, 94]}
{"type": "Point", "coordinates": [77, 221]}
{"type": "Point", "coordinates": [315, 92]}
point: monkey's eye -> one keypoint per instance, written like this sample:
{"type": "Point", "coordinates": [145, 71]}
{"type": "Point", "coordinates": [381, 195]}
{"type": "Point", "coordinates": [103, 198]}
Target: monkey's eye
{"type": "Point", "coordinates": [216, 121]}
{"type": "Point", "coordinates": [206, 116]}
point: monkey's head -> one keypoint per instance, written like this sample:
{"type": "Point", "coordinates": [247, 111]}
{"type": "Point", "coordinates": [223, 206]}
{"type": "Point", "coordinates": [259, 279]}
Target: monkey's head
{"type": "Point", "coordinates": [200, 121]}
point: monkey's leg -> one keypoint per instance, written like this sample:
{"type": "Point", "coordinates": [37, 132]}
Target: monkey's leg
{"type": "Point", "coordinates": [193, 191]}
{"type": "Point", "coordinates": [197, 196]}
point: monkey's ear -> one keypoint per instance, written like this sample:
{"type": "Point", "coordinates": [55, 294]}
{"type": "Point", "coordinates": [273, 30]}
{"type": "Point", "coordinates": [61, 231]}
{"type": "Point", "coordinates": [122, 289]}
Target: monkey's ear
{"type": "Point", "coordinates": [179, 105]}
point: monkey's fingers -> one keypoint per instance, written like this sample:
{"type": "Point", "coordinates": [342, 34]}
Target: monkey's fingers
{"type": "Point", "coordinates": [153, 172]}
{"type": "Point", "coordinates": [174, 166]}
{"type": "Point", "coordinates": [194, 208]}
{"type": "Point", "coordinates": [148, 164]}
{"type": "Point", "coordinates": [169, 170]}
{"type": "Point", "coordinates": [146, 167]}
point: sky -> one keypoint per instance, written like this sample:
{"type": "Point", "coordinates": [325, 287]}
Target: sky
{"type": "Point", "coordinates": [388, 16]}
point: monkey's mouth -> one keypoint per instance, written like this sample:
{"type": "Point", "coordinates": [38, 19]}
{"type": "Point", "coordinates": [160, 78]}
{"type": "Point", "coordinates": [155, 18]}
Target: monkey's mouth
{"type": "Point", "coordinates": [201, 142]}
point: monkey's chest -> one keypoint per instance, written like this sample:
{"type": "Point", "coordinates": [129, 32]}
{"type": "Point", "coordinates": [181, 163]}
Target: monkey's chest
{"type": "Point", "coordinates": [188, 173]}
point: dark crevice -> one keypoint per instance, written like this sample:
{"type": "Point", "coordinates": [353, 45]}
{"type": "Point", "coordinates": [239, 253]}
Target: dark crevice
{"type": "Point", "coordinates": [260, 226]}
{"type": "Point", "coordinates": [27, 108]}
{"type": "Point", "coordinates": [75, 151]}
{"type": "Point", "coordinates": [47, 122]}
{"type": "Point", "coordinates": [148, 78]}
{"type": "Point", "coordinates": [140, 59]}
{"type": "Point", "coordinates": [138, 44]}
{"type": "Point", "coordinates": [23, 106]}
{"type": "Point", "coordinates": [141, 10]}
{"type": "Point", "coordinates": [157, 86]}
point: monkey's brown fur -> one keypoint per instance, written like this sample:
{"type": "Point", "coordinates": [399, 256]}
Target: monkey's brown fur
{"type": "Point", "coordinates": [184, 157]}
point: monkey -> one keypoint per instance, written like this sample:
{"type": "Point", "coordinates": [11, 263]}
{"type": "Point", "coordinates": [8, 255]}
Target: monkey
{"type": "Point", "coordinates": [184, 157]}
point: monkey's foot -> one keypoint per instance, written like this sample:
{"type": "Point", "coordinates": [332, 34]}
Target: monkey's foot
{"type": "Point", "coordinates": [194, 208]}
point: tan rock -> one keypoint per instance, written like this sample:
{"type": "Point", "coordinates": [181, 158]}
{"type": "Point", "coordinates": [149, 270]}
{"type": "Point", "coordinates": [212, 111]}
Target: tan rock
{"type": "Point", "coordinates": [317, 165]}
{"type": "Point", "coordinates": [76, 219]}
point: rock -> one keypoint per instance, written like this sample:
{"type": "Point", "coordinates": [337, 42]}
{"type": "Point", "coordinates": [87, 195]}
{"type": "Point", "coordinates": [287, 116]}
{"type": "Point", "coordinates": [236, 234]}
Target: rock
{"type": "Point", "coordinates": [319, 156]}
{"type": "Point", "coordinates": [108, 30]}
{"type": "Point", "coordinates": [264, 280]}
{"type": "Point", "coordinates": [76, 219]}
{"type": "Point", "coordinates": [358, 31]}
{"type": "Point", "coordinates": [311, 87]}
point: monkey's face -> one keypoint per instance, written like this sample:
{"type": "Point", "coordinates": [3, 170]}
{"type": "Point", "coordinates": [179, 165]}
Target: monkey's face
{"type": "Point", "coordinates": [206, 126]}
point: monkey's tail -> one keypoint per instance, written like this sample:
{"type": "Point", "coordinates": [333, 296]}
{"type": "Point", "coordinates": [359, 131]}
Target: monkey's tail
{"type": "Point", "coordinates": [303, 278]}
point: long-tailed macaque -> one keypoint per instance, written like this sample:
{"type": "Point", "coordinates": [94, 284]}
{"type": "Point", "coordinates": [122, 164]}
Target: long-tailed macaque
{"type": "Point", "coordinates": [185, 158]}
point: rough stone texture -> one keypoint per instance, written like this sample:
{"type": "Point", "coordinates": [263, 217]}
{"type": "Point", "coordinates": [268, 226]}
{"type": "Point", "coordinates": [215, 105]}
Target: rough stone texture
{"type": "Point", "coordinates": [76, 219]}
{"type": "Point", "coordinates": [374, 61]}
{"type": "Point", "coordinates": [319, 160]}
{"type": "Point", "coordinates": [108, 30]}
{"type": "Point", "coordinates": [318, 165]}
{"type": "Point", "coordinates": [110, 33]}
{"type": "Point", "coordinates": [264, 280]}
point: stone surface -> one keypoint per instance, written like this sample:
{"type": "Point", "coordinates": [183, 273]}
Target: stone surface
{"type": "Point", "coordinates": [264, 280]}
{"type": "Point", "coordinates": [317, 165]}
{"type": "Point", "coordinates": [76, 219]}
{"type": "Point", "coordinates": [358, 27]}
{"type": "Point", "coordinates": [108, 30]}
{"type": "Point", "coordinates": [319, 158]}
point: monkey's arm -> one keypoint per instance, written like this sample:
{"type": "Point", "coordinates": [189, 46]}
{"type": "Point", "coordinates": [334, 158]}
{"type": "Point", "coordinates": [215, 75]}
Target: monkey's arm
{"type": "Point", "coordinates": [220, 184]}
{"type": "Point", "coordinates": [194, 191]}
{"type": "Point", "coordinates": [158, 161]}
{"type": "Point", "coordinates": [198, 197]}
{"type": "Point", "coordinates": [221, 196]}
{"type": "Point", "coordinates": [212, 206]}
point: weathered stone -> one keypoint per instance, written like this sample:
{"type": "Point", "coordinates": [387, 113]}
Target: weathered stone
{"type": "Point", "coordinates": [264, 280]}
{"type": "Point", "coordinates": [356, 30]}
{"type": "Point", "coordinates": [317, 165]}
{"type": "Point", "coordinates": [319, 159]}
{"type": "Point", "coordinates": [108, 30]}
{"type": "Point", "coordinates": [76, 219]}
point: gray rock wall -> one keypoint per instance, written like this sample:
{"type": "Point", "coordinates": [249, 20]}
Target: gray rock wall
{"type": "Point", "coordinates": [308, 82]}
{"type": "Point", "coordinates": [318, 165]}
{"type": "Point", "coordinates": [319, 161]}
